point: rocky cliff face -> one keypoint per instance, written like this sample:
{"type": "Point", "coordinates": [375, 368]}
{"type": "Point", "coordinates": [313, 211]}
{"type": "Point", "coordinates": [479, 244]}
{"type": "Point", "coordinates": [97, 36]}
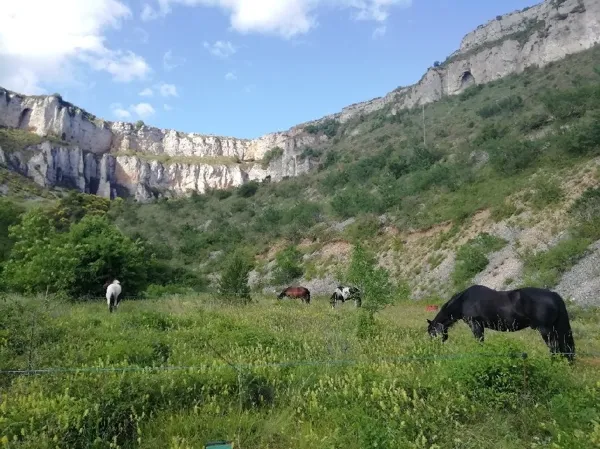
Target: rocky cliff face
{"type": "Point", "coordinates": [116, 158]}
{"type": "Point", "coordinates": [508, 44]}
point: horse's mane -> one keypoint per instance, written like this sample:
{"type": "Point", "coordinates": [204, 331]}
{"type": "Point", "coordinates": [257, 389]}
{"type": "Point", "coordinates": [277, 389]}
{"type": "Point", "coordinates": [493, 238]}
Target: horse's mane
{"type": "Point", "coordinates": [447, 308]}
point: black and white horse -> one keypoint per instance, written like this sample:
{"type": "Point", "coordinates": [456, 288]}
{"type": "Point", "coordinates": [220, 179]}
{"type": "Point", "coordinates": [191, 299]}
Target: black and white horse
{"type": "Point", "coordinates": [343, 294]}
{"type": "Point", "coordinates": [113, 290]}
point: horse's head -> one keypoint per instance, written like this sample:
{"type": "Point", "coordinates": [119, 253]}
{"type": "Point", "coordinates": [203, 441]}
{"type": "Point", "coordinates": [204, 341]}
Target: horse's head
{"type": "Point", "coordinates": [436, 328]}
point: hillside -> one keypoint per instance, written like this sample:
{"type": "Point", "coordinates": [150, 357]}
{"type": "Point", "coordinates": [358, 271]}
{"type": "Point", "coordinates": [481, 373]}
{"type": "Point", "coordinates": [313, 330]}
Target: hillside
{"type": "Point", "coordinates": [510, 159]}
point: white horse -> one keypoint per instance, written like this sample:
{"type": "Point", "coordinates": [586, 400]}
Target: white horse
{"type": "Point", "coordinates": [343, 294]}
{"type": "Point", "coordinates": [112, 295]}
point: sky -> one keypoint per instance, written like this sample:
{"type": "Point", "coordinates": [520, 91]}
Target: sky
{"type": "Point", "coordinates": [239, 68]}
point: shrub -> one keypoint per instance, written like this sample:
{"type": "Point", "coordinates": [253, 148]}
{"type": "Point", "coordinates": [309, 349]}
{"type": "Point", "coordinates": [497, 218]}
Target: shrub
{"type": "Point", "coordinates": [364, 228]}
{"type": "Point", "coordinates": [547, 192]}
{"type": "Point", "coordinates": [471, 258]}
{"type": "Point", "coordinates": [248, 189]}
{"type": "Point", "coordinates": [587, 206]}
{"type": "Point", "coordinates": [509, 104]}
{"type": "Point", "coordinates": [76, 262]}
{"type": "Point", "coordinates": [233, 284]}
{"type": "Point", "coordinates": [139, 124]}
{"type": "Point", "coordinates": [510, 155]}
{"type": "Point", "coordinates": [373, 281]}
{"type": "Point", "coordinates": [582, 139]}
{"type": "Point", "coordinates": [10, 215]}
{"type": "Point", "coordinates": [271, 155]}
{"type": "Point", "coordinates": [288, 265]}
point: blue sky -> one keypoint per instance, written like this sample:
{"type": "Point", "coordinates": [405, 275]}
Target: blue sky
{"type": "Point", "coordinates": [238, 68]}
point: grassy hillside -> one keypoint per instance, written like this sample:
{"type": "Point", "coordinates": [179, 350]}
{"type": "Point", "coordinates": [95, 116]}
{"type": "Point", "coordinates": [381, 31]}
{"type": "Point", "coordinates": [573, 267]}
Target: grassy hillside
{"type": "Point", "coordinates": [303, 378]}
{"type": "Point", "coordinates": [519, 148]}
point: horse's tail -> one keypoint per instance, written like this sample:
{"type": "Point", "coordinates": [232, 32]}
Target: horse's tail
{"type": "Point", "coordinates": [111, 300]}
{"type": "Point", "coordinates": [307, 296]}
{"type": "Point", "coordinates": [564, 333]}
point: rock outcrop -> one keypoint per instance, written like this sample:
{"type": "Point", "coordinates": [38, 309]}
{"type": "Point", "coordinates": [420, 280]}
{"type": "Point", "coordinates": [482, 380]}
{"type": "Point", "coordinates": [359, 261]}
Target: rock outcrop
{"type": "Point", "coordinates": [119, 158]}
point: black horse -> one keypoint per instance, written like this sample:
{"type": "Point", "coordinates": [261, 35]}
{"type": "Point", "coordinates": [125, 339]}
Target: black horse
{"type": "Point", "coordinates": [509, 311]}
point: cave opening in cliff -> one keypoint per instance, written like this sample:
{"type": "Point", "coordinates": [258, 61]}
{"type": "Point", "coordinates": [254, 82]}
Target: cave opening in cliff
{"type": "Point", "coordinates": [467, 79]}
{"type": "Point", "coordinates": [24, 118]}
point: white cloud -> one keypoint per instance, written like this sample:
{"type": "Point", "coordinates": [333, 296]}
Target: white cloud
{"type": "Point", "coordinates": [167, 107]}
{"type": "Point", "coordinates": [171, 62]}
{"type": "Point", "coordinates": [119, 112]}
{"type": "Point", "coordinates": [148, 13]}
{"type": "Point", "coordinates": [143, 110]}
{"type": "Point", "coordinates": [221, 49]}
{"type": "Point", "coordinates": [379, 31]}
{"type": "Point", "coordinates": [168, 90]}
{"type": "Point", "coordinates": [230, 76]}
{"type": "Point", "coordinates": [147, 92]}
{"type": "Point", "coordinates": [53, 53]}
{"type": "Point", "coordinates": [286, 18]}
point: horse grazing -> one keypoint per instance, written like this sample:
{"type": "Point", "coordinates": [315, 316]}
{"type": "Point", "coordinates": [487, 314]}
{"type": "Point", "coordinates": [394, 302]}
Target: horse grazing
{"type": "Point", "coordinates": [296, 292]}
{"type": "Point", "coordinates": [509, 311]}
{"type": "Point", "coordinates": [343, 294]}
{"type": "Point", "coordinates": [113, 290]}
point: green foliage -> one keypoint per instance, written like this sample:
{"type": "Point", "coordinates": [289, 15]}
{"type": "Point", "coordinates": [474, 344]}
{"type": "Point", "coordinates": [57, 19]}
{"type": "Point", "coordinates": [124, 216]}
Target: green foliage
{"type": "Point", "coordinates": [507, 105]}
{"type": "Point", "coordinates": [248, 189]}
{"type": "Point", "coordinates": [544, 269]}
{"type": "Point", "coordinates": [471, 258]}
{"type": "Point", "coordinates": [288, 265]}
{"type": "Point", "coordinates": [271, 155]}
{"type": "Point", "coordinates": [373, 281]}
{"type": "Point", "coordinates": [76, 262]}
{"type": "Point", "coordinates": [587, 206]}
{"type": "Point", "coordinates": [509, 156]}
{"type": "Point", "coordinates": [365, 228]}
{"type": "Point", "coordinates": [582, 139]}
{"type": "Point", "coordinates": [233, 284]}
{"type": "Point", "coordinates": [139, 124]}
{"type": "Point", "coordinates": [328, 127]}
{"type": "Point", "coordinates": [10, 214]}
{"type": "Point", "coordinates": [547, 192]}
{"type": "Point", "coordinates": [571, 103]}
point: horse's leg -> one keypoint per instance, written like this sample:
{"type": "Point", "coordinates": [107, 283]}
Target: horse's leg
{"type": "Point", "coordinates": [477, 329]}
{"type": "Point", "coordinates": [550, 339]}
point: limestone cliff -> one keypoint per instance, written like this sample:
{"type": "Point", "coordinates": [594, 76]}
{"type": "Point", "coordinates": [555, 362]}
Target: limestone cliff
{"type": "Point", "coordinates": [116, 158]}
{"type": "Point", "coordinates": [143, 162]}
{"type": "Point", "coordinates": [508, 44]}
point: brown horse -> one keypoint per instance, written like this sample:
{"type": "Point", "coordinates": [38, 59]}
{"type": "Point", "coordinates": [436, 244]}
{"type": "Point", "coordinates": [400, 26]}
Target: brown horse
{"type": "Point", "coordinates": [296, 292]}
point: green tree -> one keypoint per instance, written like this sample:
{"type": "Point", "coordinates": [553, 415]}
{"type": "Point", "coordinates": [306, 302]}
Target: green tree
{"type": "Point", "coordinates": [76, 262]}
{"type": "Point", "coordinates": [10, 214]}
{"type": "Point", "coordinates": [374, 282]}
{"type": "Point", "coordinates": [233, 284]}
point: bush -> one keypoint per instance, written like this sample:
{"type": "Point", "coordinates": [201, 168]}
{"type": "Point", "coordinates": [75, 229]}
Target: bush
{"type": "Point", "coordinates": [271, 155]}
{"type": "Point", "coordinates": [547, 192]}
{"type": "Point", "coordinates": [10, 215]}
{"type": "Point", "coordinates": [509, 104]}
{"type": "Point", "coordinates": [247, 190]}
{"type": "Point", "coordinates": [233, 284]}
{"type": "Point", "coordinates": [510, 155]}
{"type": "Point", "coordinates": [583, 139]}
{"type": "Point", "coordinates": [471, 258]}
{"type": "Point", "coordinates": [587, 206]}
{"type": "Point", "coordinates": [288, 265]}
{"type": "Point", "coordinates": [76, 262]}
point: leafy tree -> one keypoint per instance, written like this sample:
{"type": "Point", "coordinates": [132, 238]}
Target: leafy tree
{"type": "Point", "coordinates": [234, 278]}
{"type": "Point", "coordinates": [10, 214]}
{"type": "Point", "coordinates": [373, 281]}
{"type": "Point", "coordinates": [76, 262]}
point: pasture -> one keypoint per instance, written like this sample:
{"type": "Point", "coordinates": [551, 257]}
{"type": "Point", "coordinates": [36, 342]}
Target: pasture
{"type": "Point", "coordinates": [178, 372]}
